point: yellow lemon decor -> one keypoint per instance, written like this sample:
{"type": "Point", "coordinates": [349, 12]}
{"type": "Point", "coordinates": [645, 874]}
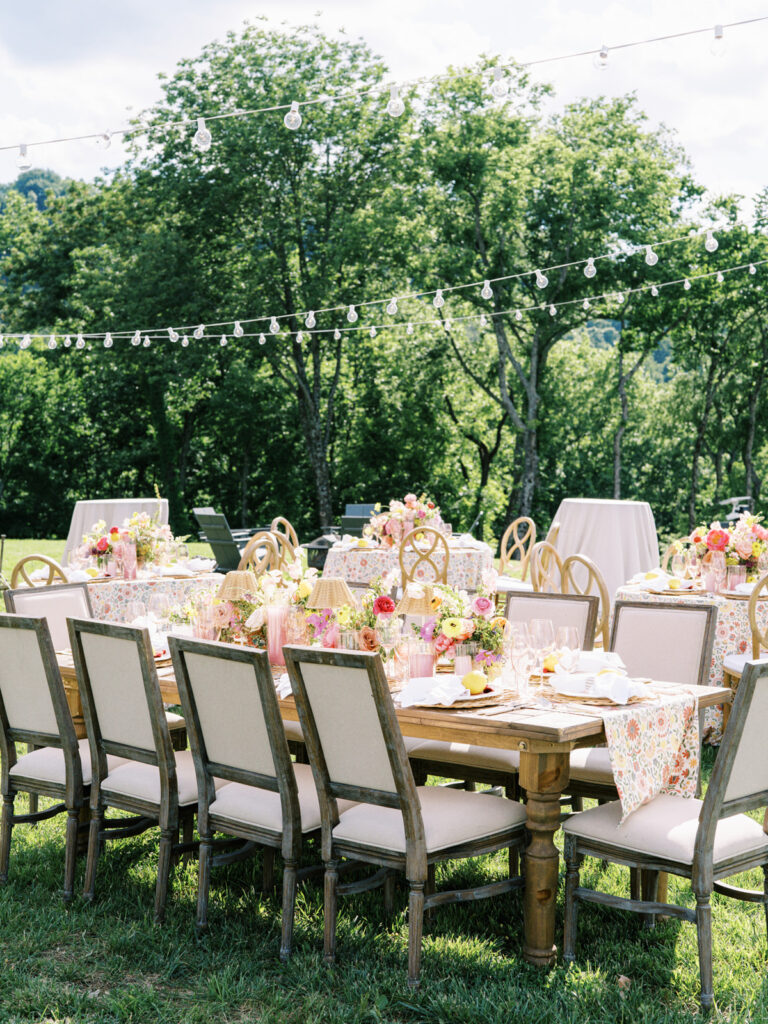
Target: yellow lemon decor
{"type": "Point", "coordinates": [674, 584]}
{"type": "Point", "coordinates": [475, 681]}
{"type": "Point", "coordinates": [550, 661]}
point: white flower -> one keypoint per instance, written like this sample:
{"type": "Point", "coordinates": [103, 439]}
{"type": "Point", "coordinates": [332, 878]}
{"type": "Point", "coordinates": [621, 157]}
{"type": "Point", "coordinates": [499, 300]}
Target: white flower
{"type": "Point", "coordinates": [256, 619]}
{"type": "Point", "coordinates": [294, 570]}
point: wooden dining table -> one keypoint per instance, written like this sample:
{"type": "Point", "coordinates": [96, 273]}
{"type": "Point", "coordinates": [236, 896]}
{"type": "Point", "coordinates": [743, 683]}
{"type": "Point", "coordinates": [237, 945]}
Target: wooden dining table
{"type": "Point", "coordinates": [544, 737]}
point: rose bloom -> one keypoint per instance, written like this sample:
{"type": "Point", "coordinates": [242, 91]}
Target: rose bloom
{"type": "Point", "coordinates": [717, 540]}
{"type": "Point", "coordinates": [102, 544]}
{"type": "Point", "coordinates": [369, 639]}
{"type": "Point", "coordinates": [115, 529]}
{"type": "Point", "coordinates": [410, 499]}
{"type": "Point", "coordinates": [760, 532]}
{"type": "Point", "coordinates": [383, 605]}
{"type": "Point", "coordinates": [744, 549]}
{"type": "Point", "coordinates": [467, 629]}
{"type": "Point", "coordinates": [443, 644]}
{"type": "Point", "coordinates": [483, 606]}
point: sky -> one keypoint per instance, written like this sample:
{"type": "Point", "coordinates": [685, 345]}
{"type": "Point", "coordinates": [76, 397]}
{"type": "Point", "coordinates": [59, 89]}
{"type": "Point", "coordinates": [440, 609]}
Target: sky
{"type": "Point", "coordinates": [84, 66]}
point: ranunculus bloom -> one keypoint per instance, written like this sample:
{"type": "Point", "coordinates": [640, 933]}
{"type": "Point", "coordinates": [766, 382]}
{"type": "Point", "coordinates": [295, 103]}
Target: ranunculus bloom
{"type": "Point", "coordinates": [467, 629]}
{"type": "Point", "coordinates": [383, 605]}
{"type": "Point", "coordinates": [369, 639]}
{"type": "Point", "coordinates": [483, 606]}
{"type": "Point", "coordinates": [744, 549]}
{"type": "Point", "coordinates": [115, 529]}
{"type": "Point", "coordinates": [453, 628]}
{"type": "Point", "coordinates": [443, 643]}
{"type": "Point", "coordinates": [427, 631]}
{"type": "Point", "coordinates": [717, 540]}
{"type": "Point", "coordinates": [102, 544]}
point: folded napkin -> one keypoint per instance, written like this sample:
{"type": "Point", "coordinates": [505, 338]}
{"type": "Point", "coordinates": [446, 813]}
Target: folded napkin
{"type": "Point", "coordinates": [615, 686]}
{"type": "Point", "coordinates": [593, 662]}
{"type": "Point", "coordinates": [77, 575]}
{"type": "Point", "coordinates": [654, 579]}
{"type": "Point", "coordinates": [744, 588]}
{"type": "Point", "coordinates": [432, 690]}
{"type": "Point", "coordinates": [283, 686]}
{"type": "Point", "coordinates": [173, 570]}
{"type": "Point", "coordinates": [201, 564]}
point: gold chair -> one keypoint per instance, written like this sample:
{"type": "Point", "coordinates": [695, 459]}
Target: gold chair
{"type": "Point", "coordinates": [733, 664]}
{"type": "Point", "coordinates": [675, 548]}
{"type": "Point", "coordinates": [260, 554]}
{"type": "Point", "coordinates": [286, 553]}
{"type": "Point", "coordinates": [429, 546]}
{"type": "Point", "coordinates": [573, 582]}
{"type": "Point", "coordinates": [519, 537]}
{"type": "Point", "coordinates": [281, 525]}
{"type": "Point", "coordinates": [55, 571]}
{"type": "Point", "coordinates": [546, 568]}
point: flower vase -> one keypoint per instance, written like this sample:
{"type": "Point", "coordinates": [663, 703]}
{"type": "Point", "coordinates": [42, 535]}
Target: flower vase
{"type": "Point", "coordinates": [129, 559]}
{"type": "Point", "coordinates": [734, 575]}
{"type": "Point", "coordinates": [277, 615]}
{"type": "Point", "coordinates": [421, 659]}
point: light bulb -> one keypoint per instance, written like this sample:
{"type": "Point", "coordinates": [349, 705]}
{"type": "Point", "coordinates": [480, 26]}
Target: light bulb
{"type": "Point", "coordinates": [687, 285]}
{"type": "Point", "coordinates": [500, 86]}
{"type": "Point", "coordinates": [310, 321]}
{"type": "Point", "coordinates": [483, 320]}
{"type": "Point", "coordinates": [198, 332]}
{"type": "Point", "coordinates": [541, 280]}
{"type": "Point", "coordinates": [104, 141]}
{"type": "Point", "coordinates": [67, 342]}
{"type": "Point", "coordinates": [80, 343]}
{"type": "Point", "coordinates": [585, 304]}
{"type": "Point", "coordinates": [274, 326]}
{"type": "Point", "coordinates": [395, 106]}
{"type": "Point", "coordinates": [487, 292]}
{"type": "Point", "coordinates": [108, 340]}
{"type": "Point", "coordinates": [136, 339]}
{"type": "Point", "coordinates": [172, 335]}
{"type": "Point", "coordinates": [292, 119]}
{"type": "Point", "coordinates": [720, 277]}
{"type": "Point", "coordinates": [448, 325]}
{"type": "Point", "coordinates": [202, 138]}
{"type": "Point", "coordinates": [262, 340]}
{"type": "Point", "coordinates": [23, 162]}
{"type": "Point", "coordinates": [552, 310]}
{"type": "Point", "coordinates": [373, 332]}
{"type": "Point", "coordinates": [654, 291]}
{"type": "Point", "coordinates": [619, 296]}
{"type": "Point", "coordinates": [392, 307]}
{"type": "Point", "coordinates": [711, 242]}
{"type": "Point", "coordinates": [438, 302]}
{"type": "Point", "coordinates": [718, 45]}
{"type": "Point", "coordinates": [352, 314]}
{"type": "Point", "coordinates": [650, 256]}
{"type": "Point", "coordinates": [146, 343]}
{"type": "Point", "coordinates": [600, 60]}
{"type": "Point", "coordinates": [590, 270]}
{"type": "Point", "coordinates": [184, 341]}
{"type": "Point", "coordinates": [26, 341]}
{"type": "Point", "coordinates": [223, 340]}
{"type": "Point", "coordinates": [299, 337]}
{"type": "Point", "coordinates": [518, 315]}
{"type": "Point", "coordinates": [752, 269]}
{"type": "Point", "coordinates": [237, 330]}
{"type": "Point", "coordinates": [409, 329]}
{"type": "Point", "coordinates": [337, 335]}
{"type": "Point", "coordinates": [52, 343]}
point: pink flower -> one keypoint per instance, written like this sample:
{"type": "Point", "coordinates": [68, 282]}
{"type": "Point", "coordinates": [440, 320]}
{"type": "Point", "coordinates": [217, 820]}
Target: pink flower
{"type": "Point", "coordinates": [421, 514]}
{"type": "Point", "coordinates": [443, 643]}
{"type": "Point", "coordinates": [427, 631]}
{"type": "Point", "coordinates": [483, 606]}
{"type": "Point", "coordinates": [383, 605]}
{"type": "Point", "coordinates": [744, 549]}
{"type": "Point", "coordinates": [760, 532]}
{"type": "Point", "coordinates": [717, 540]}
{"type": "Point", "coordinates": [410, 499]}
{"type": "Point", "coordinates": [102, 544]}
{"type": "Point", "coordinates": [331, 635]}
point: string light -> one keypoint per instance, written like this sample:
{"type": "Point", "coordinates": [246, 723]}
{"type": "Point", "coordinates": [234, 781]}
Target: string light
{"type": "Point", "coordinates": [104, 141]}
{"type": "Point", "coordinates": [173, 335]}
{"type": "Point", "coordinates": [438, 302]}
{"type": "Point", "coordinates": [198, 332]}
{"type": "Point", "coordinates": [352, 314]}
{"type": "Point", "coordinates": [654, 291]}
{"type": "Point", "coordinates": [718, 45]}
{"type": "Point", "coordinates": [23, 161]}
{"type": "Point", "coordinates": [237, 330]}
{"type": "Point", "coordinates": [202, 138]}
{"type": "Point", "coordinates": [392, 307]}
{"type": "Point", "coordinates": [292, 119]}
{"type": "Point", "coordinates": [184, 341]}
{"type": "Point", "coordinates": [136, 339]}
{"type": "Point", "coordinates": [590, 270]}
{"type": "Point", "coordinates": [146, 343]}
{"type": "Point", "coordinates": [310, 321]}
{"type": "Point", "coordinates": [500, 86]}
{"type": "Point", "coordinates": [223, 340]}
{"type": "Point", "coordinates": [710, 243]}
{"type": "Point", "coordinates": [487, 292]}
{"type": "Point", "coordinates": [299, 337]}
{"type": "Point", "coordinates": [67, 342]}
{"type": "Point", "coordinates": [600, 60]}
{"type": "Point", "coordinates": [585, 304]}
{"type": "Point", "coordinates": [262, 340]}
{"type": "Point", "coordinates": [687, 284]}
{"type": "Point", "coordinates": [80, 343]}
{"type": "Point", "coordinates": [720, 277]}
{"type": "Point", "coordinates": [52, 343]}
{"type": "Point", "coordinates": [373, 332]}
{"type": "Point", "coordinates": [518, 314]}
{"type": "Point", "coordinates": [395, 106]}
{"type": "Point", "coordinates": [541, 280]}
{"type": "Point", "coordinates": [552, 311]}
{"type": "Point", "coordinates": [274, 326]}
{"type": "Point", "coordinates": [483, 320]}
{"type": "Point", "coordinates": [108, 340]}
{"type": "Point", "coordinates": [337, 335]}
{"type": "Point", "coordinates": [409, 329]}
{"type": "Point", "coordinates": [620, 297]}
{"type": "Point", "coordinates": [650, 256]}
{"type": "Point", "coordinates": [752, 269]}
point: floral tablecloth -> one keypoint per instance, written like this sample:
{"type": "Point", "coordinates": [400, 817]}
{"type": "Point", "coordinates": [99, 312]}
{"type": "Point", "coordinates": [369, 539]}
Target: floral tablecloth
{"type": "Point", "coordinates": [654, 749]}
{"type": "Point", "coordinates": [732, 636]}
{"type": "Point", "coordinates": [109, 600]}
{"type": "Point", "coordinates": [466, 566]}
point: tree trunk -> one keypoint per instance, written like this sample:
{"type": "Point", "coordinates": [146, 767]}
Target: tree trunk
{"type": "Point", "coordinates": [753, 480]}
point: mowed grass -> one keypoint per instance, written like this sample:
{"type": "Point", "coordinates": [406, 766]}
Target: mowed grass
{"type": "Point", "coordinates": [108, 962]}
{"type": "Point", "coordinates": [15, 549]}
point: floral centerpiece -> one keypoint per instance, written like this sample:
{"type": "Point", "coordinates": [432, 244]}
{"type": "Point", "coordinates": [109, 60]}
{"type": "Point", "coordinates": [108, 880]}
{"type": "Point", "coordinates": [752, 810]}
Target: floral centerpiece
{"type": "Point", "coordinates": [393, 523]}
{"type": "Point", "coordinates": [149, 535]}
{"type": "Point", "coordinates": [742, 542]}
{"type": "Point", "coordinates": [461, 619]}
{"type": "Point", "coordinates": [363, 619]}
{"type": "Point", "coordinates": [100, 543]}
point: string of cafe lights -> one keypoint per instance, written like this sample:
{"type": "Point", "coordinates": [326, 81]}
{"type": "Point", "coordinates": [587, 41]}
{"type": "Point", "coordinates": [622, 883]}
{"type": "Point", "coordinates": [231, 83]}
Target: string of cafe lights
{"type": "Point", "coordinates": [390, 302]}
{"type": "Point", "coordinates": [446, 324]}
{"type": "Point", "coordinates": [499, 88]}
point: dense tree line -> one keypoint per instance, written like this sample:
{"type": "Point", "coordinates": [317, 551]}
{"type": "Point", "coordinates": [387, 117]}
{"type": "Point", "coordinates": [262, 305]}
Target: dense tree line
{"type": "Point", "coordinates": [637, 396]}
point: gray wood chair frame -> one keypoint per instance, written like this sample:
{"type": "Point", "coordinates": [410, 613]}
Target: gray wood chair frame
{"type": "Point", "coordinates": [546, 567]}
{"type": "Point", "coordinates": [55, 571]}
{"type": "Point", "coordinates": [591, 600]}
{"type": "Point", "coordinates": [260, 554]}
{"type": "Point", "coordinates": [595, 582]}
{"type": "Point", "coordinates": [281, 525]}
{"type": "Point", "coordinates": [289, 840]}
{"type": "Point", "coordinates": [72, 795]}
{"type": "Point", "coordinates": [759, 638]}
{"type": "Point", "coordinates": [704, 874]}
{"type": "Point", "coordinates": [519, 537]}
{"type": "Point", "coordinates": [166, 814]}
{"type": "Point", "coordinates": [424, 548]}
{"type": "Point", "coordinates": [417, 862]}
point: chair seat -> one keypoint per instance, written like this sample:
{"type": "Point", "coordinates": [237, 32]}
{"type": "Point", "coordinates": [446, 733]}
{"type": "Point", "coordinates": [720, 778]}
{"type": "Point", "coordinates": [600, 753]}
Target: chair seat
{"type": "Point", "coordinates": [592, 764]}
{"type": "Point", "coordinates": [248, 805]}
{"type": "Point", "coordinates": [466, 754]}
{"type": "Point", "coordinates": [142, 781]}
{"type": "Point", "coordinates": [47, 764]}
{"type": "Point", "coordinates": [293, 732]}
{"type": "Point", "coordinates": [506, 584]}
{"type": "Point", "coordinates": [666, 828]}
{"type": "Point", "coordinates": [175, 721]}
{"type": "Point", "coordinates": [451, 817]}
{"type": "Point", "coordinates": [735, 662]}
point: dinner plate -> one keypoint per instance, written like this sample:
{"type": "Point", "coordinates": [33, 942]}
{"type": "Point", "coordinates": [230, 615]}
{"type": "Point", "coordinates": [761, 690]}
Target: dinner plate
{"type": "Point", "coordinates": [470, 700]}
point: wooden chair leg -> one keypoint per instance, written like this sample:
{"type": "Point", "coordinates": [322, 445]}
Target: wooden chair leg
{"type": "Point", "coordinates": [94, 842]}
{"type": "Point", "coordinates": [765, 890]}
{"type": "Point", "coordinates": [330, 906]}
{"type": "Point", "coordinates": [415, 931]}
{"type": "Point", "coordinates": [6, 827]}
{"type": "Point", "coordinates": [572, 863]}
{"type": "Point", "coordinates": [33, 797]}
{"type": "Point", "coordinates": [429, 889]}
{"type": "Point", "coordinates": [634, 884]}
{"type": "Point", "coordinates": [649, 881]}
{"type": "Point", "coordinates": [389, 896]}
{"type": "Point", "coordinates": [164, 859]}
{"type": "Point", "coordinates": [289, 903]}
{"type": "Point", "coordinates": [268, 869]}
{"type": "Point", "coordinates": [70, 852]}
{"type": "Point", "coordinates": [577, 803]}
{"type": "Point", "coordinates": [704, 935]}
{"type": "Point", "coordinates": [203, 882]}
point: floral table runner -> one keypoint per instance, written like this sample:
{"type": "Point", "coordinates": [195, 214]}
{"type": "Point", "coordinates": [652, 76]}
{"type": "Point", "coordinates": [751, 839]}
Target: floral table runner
{"type": "Point", "coordinates": [109, 600]}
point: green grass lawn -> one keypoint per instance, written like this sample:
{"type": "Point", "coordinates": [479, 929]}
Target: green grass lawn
{"type": "Point", "coordinates": [16, 549]}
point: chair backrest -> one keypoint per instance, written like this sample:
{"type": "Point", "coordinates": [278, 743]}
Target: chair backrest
{"type": "Point", "coordinates": [739, 780]}
{"type": "Point", "coordinates": [759, 635]}
{"type": "Point", "coordinates": [22, 568]}
{"type": "Point", "coordinates": [581, 576]}
{"type": "Point", "coordinates": [546, 568]}
{"type": "Point", "coordinates": [519, 537]}
{"type": "Point", "coordinates": [281, 525]}
{"type": "Point", "coordinates": [286, 552]}
{"type": "Point", "coordinates": [55, 604]}
{"type": "Point", "coordinates": [665, 641]}
{"type": "Point", "coordinates": [233, 720]}
{"type": "Point", "coordinates": [577, 610]}
{"type": "Point", "coordinates": [354, 525]}
{"type": "Point", "coordinates": [260, 554]}
{"type": "Point", "coordinates": [424, 556]}
{"type": "Point", "coordinates": [360, 509]}
{"type": "Point", "coordinates": [219, 535]}
{"type": "Point", "coordinates": [122, 705]}
{"type": "Point", "coordinates": [33, 705]}
{"type": "Point", "coordinates": [353, 740]}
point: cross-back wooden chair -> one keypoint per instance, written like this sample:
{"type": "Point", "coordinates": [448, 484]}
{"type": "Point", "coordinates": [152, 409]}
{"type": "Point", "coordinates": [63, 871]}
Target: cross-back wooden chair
{"type": "Point", "coordinates": [431, 556]}
{"type": "Point", "coordinates": [546, 567]}
{"type": "Point", "coordinates": [581, 576]}
{"type": "Point", "coordinates": [286, 553]}
{"type": "Point", "coordinates": [705, 841]}
{"type": "Point", "coordinates": [519, 537]}
{"type": "Point", "coordinates": [124, 717]}
{"type": "Point", "coordinates": [281, 525]}
{"type": "Point", "coordinates": [260, 554]}
{"type": "Point", "coordinates": [733, 664]}
{"type": "Point", "coordinates": [357, 753]}
{"type": "Point", "coordinates": [21, 571]}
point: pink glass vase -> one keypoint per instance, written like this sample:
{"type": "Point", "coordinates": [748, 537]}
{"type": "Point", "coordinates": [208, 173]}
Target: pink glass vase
{"type": "Point", "coordinates": [421, 659]}
{"type": "Point", "coordinates": [277, 616]}
{"type": "Point", "coordinates": [129, 558]}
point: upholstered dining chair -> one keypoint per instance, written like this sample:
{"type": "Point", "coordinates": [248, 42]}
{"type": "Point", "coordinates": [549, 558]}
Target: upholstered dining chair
{"type": "Point", "coordinates": [581, 576]}
{"type": "Point", "coordinates": [357, 753]}
{"type": "Point", "coordinates": [124, 717]}
{"type": "Point", "coordinates": [704, 841]}
{"type": "Point", "coordinates": [281, 525]}
{"type": "Point", "coordinates": [546, 567]}
{"type": "Point", "coordinates": [34, 710]}
{"type": "Point", "coordinates": [260, 554]}
{"type": "Point", "coordinates": [431, 556]}
{"type": "Point", "coordinates": [236, 734]}
{"type": "Point", "coordinates": [55, 604]}
{"type": "Point", "coordinates": [733, 664]}
{"type": "Point", "coordinates": [21, 571]}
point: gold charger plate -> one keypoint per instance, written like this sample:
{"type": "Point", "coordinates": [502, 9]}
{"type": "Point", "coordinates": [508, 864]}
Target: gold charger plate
{"type": "Point", "coordinates": [680, 592]}
{"type": "Point", "coordinates": [479, 701]}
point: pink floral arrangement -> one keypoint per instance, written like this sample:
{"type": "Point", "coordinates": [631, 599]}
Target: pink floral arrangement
{"type": "Point", "coordinates": [459, 619]}
{"type": "Point", "coordinates": [742, 543]}
{"type": "Point", "coordinates": [393, 523]}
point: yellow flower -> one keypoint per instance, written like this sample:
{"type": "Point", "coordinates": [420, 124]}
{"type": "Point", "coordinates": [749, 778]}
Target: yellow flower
{"type": "Point", "coordinates": [344, 615]}
{"type": "Point", "coordinates": [304, 589]}
{"type": "Point", "coordinates": [435, 603]}
{"type": "Point", "coordinates": [453, 628]}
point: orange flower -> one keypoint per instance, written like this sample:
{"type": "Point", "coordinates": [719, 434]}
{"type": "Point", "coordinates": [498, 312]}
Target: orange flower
{"type": "Point", "coordinates": [369, 639]}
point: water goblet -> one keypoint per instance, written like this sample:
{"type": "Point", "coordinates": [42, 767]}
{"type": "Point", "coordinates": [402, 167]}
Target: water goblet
{"type": "Point", "coordinates": [568, 646]}
{"type": "Point", "coordinates": [678, 566]}
{"type": "Point", "coordinates": [135, 613]}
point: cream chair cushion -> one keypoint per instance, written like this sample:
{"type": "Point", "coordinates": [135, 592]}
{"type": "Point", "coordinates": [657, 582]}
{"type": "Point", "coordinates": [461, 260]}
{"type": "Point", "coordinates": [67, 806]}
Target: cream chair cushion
{"type": "Point", "coordinates": [293, 732]}
{"type": "Point", "coordinates": [248, 805]}
{"type": "Point", "coordinates": [735, 662]}
{"type": "Point", "coordinates": [666, 828]}
{"type": "Point", "coordinates": [450, 817]}
{"type": "Point", "coordinates": [47, 764]}
{"type": "Point", "coordinates": [466, 754]}
{"type": "Point", "coordinates": [592, 764]}
{"type": "Point", "coordinates": [174, 721]}
{"type": "Point", "coordinates": [505, 584]}
{"type": "Point", "coordinates": [142, 781]}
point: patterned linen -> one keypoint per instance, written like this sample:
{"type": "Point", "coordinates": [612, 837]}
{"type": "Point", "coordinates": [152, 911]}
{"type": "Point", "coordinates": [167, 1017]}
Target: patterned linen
{"type": "Point", "coordinates": [654, 750]}
{"type": "Point", "coordinates": [732, 636]}
{"type": "Point", "coordinates": [109, 600]}
{"type": "Point", "coordinates": [361, 565]}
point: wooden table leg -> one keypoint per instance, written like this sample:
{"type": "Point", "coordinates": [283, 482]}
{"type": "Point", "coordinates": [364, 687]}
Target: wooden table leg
{"type": "Point", "coordinates": [543, 776]}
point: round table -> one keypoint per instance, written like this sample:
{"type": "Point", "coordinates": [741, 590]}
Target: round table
{"type": "Point", "coordinates": [113, 511]}
{"type": "Point", "coordinates": [110, 598]}
{"type": "Point", "coordinates": [466, 566]}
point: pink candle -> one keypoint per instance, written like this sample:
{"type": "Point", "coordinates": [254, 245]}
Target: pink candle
{"type": "Point", "coordinates": [277, 615]}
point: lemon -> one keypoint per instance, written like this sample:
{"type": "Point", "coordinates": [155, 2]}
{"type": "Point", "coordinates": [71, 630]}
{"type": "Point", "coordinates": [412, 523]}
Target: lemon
{"type": "Point", "coordinates": [650, 575]}
{"type": "Point", "coordinates": [92, 572]}
{"type": "Point", "coordinates": [550, 661]}
{"type": "Point", "coordinates": [674, 584]}
{"type": "Point", "coordinates": [475, 681]}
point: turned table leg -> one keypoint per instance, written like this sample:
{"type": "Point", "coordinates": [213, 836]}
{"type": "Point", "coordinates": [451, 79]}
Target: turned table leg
{"type": "Point", "coordinates": [543, 776]}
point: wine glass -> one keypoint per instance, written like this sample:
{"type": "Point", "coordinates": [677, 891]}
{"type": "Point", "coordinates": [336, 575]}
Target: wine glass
{"type": "Point", "coordinates": [135, 613]}
{"type": "Point", "coordinates": [693, 564]}
{"type": "Point", "coordinates": [568, 646]}
{"type": "Point", "coordinates": [520, 656]}
{"type": "Point", "coordinates": [296, 626]}
{"type": "Point", "coordinates": [678, 565]}
{"type": "Point", "coordinates": [389, 629]}
{"type": "Point", "coordinates": [182, 554]}
{"type": "Point", "coordinates": [159, 611]}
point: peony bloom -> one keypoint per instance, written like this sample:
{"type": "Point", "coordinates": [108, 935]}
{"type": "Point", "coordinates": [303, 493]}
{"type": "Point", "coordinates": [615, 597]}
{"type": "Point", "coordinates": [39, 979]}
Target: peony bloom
{"type": "Point", "coordinates": [717, 539]}
{"type": "Point", "coordinates": [427, 631]}
{"type": "Point", "coordinates": [383, 605]}
{"type": "Point", "coordinates": [102, 544]}
{"type": "Point", "coordinates": [483, 606]}
{"type": "Point", "coordinates": [443, 644]}
{"type": "Point", "coordinates": [410, 500]}
{"type": "Point", "coordinates": [369, 639]}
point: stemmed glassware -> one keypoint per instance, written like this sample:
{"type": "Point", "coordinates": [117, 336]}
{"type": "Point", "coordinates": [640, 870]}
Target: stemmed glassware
{"type": "Point", "coordinates": [389, 629]}
{"type": "Point", "coordinates": [678, 566]}
{"type": "Point", "coordinates": [568, 647]}
{"type": "Point", "coordinates": [520, 657]}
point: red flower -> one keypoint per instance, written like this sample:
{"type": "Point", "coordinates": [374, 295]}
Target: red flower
{"type": "Point", "coordinates": [430, 504]}
{"type": "Point", "coordinates": [383, 605]}
{"type": "Point", "coordinates": [102, 544]}
{"type": "Point", "coordinates": [115, 529]}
